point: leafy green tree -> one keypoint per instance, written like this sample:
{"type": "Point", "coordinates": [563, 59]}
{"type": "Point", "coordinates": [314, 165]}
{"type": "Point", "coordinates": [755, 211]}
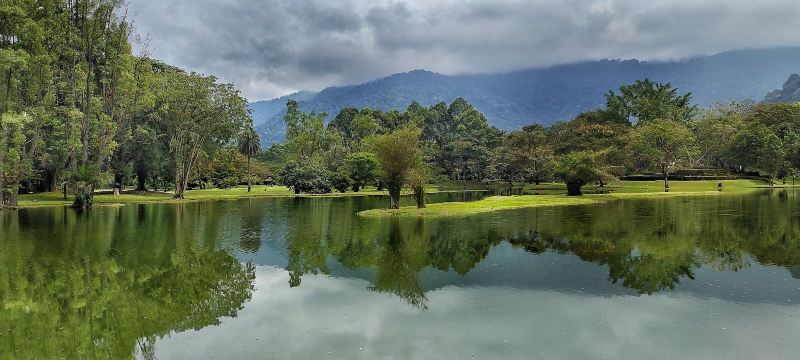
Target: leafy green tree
{"type": "Point", "coordinates": [661, 144]}
{"type": "Point", "coordinates": [596, 131]}
{"type": "Point", "coordinates": [714, 130]}
{"type": "Point", "coordinates": [250, 146]}
{"type": "Point", "coordinates": [758, 148]}
{"type": "Point", "coordinates": [307, 139]}
{"type": "Point", "coordinates": [579, 168]}
{"type": "Point", "coordinates": [341, 181]}
{"type": "Point", "coordinates": [530, 153]}
{"type": "Point", "coordinates": [19, 141]}
{"type": "Point", "coordinates": [201, 116]}
{"type": "Point", "coordinates": [305, 178]}
{"type": "Point", "coordinates": [398, 154]}
{"type": "Point", "coordinates": [362, 167]}
{"type": "Point", "coordinates": [646, 100]}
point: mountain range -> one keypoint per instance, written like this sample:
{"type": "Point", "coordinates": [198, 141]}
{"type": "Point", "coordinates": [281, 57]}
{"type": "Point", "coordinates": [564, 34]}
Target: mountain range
{"type": "Point", "coordinates": [514, 99]}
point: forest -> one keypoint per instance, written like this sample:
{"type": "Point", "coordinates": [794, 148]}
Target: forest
{"type": "Point", "coordinates": [81, 114]}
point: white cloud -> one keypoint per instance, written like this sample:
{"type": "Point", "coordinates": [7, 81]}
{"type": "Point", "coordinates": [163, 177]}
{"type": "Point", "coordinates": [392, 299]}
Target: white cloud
{"type": "Point", "coordinates": [338, 318]}
{"type": "Point", "coordinates": [273, 47]}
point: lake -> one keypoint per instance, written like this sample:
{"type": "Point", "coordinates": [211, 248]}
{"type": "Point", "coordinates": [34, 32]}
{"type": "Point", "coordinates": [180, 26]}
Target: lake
{"type": "Point", "coordinates": [281, 278]}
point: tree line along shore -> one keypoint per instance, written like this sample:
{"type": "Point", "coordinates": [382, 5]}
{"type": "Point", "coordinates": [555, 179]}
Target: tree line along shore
{"type": "Point", "coordinates": [83, 116]}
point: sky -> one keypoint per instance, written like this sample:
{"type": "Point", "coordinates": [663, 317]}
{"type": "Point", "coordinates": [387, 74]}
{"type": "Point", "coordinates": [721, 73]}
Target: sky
{"type": "Point", "coordinates": [270, 48]}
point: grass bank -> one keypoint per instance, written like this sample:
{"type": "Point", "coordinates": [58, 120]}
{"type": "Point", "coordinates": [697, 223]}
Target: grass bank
{"type": "Point", "coordinates": [106, 198]}
{"type": "Point", "coordinates": [617, 191]}
{"type": "Point", "coordinates": [490, 204]}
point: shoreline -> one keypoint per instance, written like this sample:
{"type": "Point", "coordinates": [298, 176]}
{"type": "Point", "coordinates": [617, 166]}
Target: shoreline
{"type": "Point", "coordinates": [512, 202]}
{"type": "Point", "coordinates": [103, 199]}
{"type": "Point", "coordinates": [546, 195]}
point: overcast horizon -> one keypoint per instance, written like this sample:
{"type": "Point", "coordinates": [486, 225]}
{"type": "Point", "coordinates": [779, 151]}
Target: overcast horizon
{"type": "Point", "coordinates": [273, 48]}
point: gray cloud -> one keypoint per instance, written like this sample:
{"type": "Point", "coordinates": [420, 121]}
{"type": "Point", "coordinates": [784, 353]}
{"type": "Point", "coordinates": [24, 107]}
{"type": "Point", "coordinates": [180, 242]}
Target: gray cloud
{"type": "Point", "coordinates": [269, 48]}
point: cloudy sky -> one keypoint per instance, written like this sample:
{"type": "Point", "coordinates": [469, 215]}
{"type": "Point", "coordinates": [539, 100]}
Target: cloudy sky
{"type": "Point", "coordinates": [273, 47]}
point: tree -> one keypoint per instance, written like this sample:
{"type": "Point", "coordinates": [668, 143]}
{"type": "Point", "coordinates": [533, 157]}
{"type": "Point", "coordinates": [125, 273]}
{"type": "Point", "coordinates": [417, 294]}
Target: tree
{"type": "Point", "coordinates": [361, 166]}
{"type": "Point", "coordinates": [530, 153]}
{"type": "Point", "coordinates": [714, 130]}
{"type": "Point", "coordinates": [250, 146]}
{"type": "Point", "coordinates": [595, 131]}
{"type": "Point", "coordinates": [398, 154]}
{"type": "Point", "coordinates": [305, 178]}
{"type": "Point", "coordinates": [646, 100]}
{"type": "Point", "coordinates": [663, 144]}
{"type": "Point", "coordinates": [307, 139]}
{"type": "Point", "coordinates": [341, 181]}
{"type": "Point", "coordinates": [201, 116]}
{"type": "Point", "coordinates": [579, 168]}
{"type": "Point", "coordinates": [19, 141]}
{"type": "Point", "coordinates": [758, 148]}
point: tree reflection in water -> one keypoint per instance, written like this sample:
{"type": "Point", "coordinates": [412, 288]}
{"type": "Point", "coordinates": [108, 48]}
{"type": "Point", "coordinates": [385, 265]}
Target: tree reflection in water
{"type": "Point", "coordinates": [646, 245]}
{"type": "Point", "coordinates": [108, 286]}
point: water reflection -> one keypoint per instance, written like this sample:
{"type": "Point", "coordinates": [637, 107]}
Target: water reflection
{"type": "Point", "coordinates": [106, 284]}
{"type": "Point", "coordinates": [111, 282]}
{"type": "Point", "coordinates": [646, 246]}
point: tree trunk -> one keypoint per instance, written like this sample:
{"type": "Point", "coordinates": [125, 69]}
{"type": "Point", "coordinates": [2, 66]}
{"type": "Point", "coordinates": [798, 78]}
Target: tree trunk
{"type": "Point", "coordinates": [84, 197]}
{"type": "Point", "coordinates": [394, 196]}
{"type": "Point", "coordinates": [141, 176]}
{"type": "Point", "coordinates": [249, 176]}
{"type": "Point", "coordinates": [2, 193]}
{"type": "Point", "coordinates": [419, 196]}
{"type": "Point", "coordinates": [180, 184]}
{"type": "Point", "coordinates": [771, 181]}
{"type": "Point", "coordinates": [666, 178]}
{"type": "Point", "coordinates": [574, 188]}
{"type": "Point", "coordinates": [13, 199]}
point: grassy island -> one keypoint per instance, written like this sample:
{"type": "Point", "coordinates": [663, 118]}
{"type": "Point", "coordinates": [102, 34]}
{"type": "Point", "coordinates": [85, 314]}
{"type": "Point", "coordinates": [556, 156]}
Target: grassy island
{"type": "Point", "coordinates": [618, 191]}
{"type": "Point", "coordinates": [490, 204]}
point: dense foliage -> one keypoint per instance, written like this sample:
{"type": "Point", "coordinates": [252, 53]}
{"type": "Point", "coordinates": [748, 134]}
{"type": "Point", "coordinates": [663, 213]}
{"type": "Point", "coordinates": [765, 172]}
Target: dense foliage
{"type": "Point", "coordinates": [79, 111]}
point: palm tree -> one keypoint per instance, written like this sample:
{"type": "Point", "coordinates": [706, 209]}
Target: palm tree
{"type": "Point", "coordinates": [249, 145]}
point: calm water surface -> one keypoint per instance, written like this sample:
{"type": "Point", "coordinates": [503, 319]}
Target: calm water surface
{"type": "Point", "coordinates": [699, 278]}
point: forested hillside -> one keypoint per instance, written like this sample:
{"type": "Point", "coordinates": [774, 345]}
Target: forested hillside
{"type": "Point", "coordinates": [789, 93]}
{"type": "Point", "coordinates": [546, 95]}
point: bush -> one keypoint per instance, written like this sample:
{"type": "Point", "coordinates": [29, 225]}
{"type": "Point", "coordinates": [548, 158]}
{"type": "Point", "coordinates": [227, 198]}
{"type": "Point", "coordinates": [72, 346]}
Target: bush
{"type": "Point", "coordinates": [304, 178]}
{"type": "Point", "coordinates": [361, 167]}
{"type": "Point", "coordinates": [341, 180]}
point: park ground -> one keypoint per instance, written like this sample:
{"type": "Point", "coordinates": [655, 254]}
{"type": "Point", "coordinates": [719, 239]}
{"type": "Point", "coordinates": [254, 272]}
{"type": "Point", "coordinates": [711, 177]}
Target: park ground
{"type": "Point", "coordinates": [552, 195]}
{"type": "Point", "coordinates": [554, 192]}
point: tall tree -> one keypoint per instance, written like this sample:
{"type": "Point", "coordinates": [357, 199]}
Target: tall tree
{"type": "Point", "coordinates": [250, 146]}
{"type": "Point", "coordinates": [201, 115]}
{"type": "Point", "coordinates": [398, 154]}
{"type": "Point", "coordinates": [646, 100]}
{"type": "Point", "coordinates": [579, 168]}
{"type": "Point", "coordinates": [663, 144]}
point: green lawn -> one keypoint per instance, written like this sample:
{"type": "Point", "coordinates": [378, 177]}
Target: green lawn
{"type": "Point", "coordinates": [105, 198]}
{"type": "Point", "coordinates": [494, 203]}
{"type": "Point", "coordinates": [553, 191]}
{"type": "Point", "coordinates": [551, 194]}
